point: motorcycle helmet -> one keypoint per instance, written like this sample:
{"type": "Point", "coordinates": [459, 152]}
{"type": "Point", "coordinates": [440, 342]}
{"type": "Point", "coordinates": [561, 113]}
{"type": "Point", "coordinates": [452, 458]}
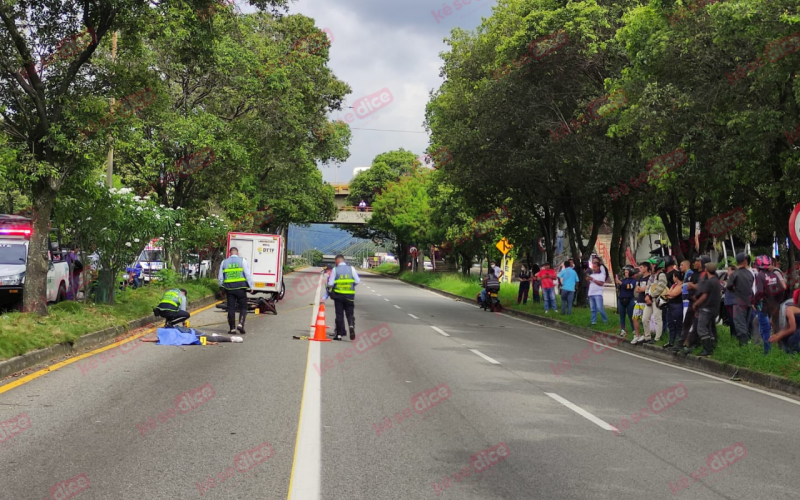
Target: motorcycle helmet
{"type": "Point", "coordinates": [763, 262]}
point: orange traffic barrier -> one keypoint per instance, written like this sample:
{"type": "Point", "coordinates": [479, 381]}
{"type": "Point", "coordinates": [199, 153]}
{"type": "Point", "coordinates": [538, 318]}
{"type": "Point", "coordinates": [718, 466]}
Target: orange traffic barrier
{"type": "Point", "coordinates": [319, 328]}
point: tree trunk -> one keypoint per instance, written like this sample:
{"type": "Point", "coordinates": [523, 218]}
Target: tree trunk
{"type": "Point", "coordinates": [35, 289]}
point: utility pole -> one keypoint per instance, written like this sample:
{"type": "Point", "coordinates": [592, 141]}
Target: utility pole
{"type": "Point", "coordinates": [110, 163]}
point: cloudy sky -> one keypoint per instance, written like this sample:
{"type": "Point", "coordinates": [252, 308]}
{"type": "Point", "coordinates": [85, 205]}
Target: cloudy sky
{"type": "Point", "coordinates": [381, 44]}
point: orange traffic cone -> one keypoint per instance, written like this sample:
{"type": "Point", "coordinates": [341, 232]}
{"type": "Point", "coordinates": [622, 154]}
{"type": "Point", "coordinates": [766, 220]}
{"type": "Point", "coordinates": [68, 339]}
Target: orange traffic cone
{"type": "Point", "coordinates": [319, 328]}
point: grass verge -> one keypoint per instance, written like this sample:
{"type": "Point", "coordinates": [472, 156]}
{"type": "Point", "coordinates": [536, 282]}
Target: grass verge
{"type": "Point", "coordinates": [67, 321]}
{"type": "Point", "coordinates": [727, 351]}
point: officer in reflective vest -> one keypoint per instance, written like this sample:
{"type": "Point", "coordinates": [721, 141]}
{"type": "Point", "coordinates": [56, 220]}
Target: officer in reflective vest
{"type": "Point", "coordinates": [341, 287]}
{"type": "Point", "coordinates": [235, 278]}
{"type": "Point", "coordinates": [173, 307]}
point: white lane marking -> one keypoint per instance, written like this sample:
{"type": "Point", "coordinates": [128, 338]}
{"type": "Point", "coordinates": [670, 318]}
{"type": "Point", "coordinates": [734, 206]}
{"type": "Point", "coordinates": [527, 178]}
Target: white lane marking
{"type": "Point", "coordinates": [379, 295]}
{"type": "Point", "coordinates": [580, 411]}
{"type": "Point", "coordinates": [387, 300]}
{"type": "Point", "coordinates": [413, 316]}
{"type": "Point", "coordinates": [307, 453]}
{"type": "Point", "coordinates": [441, 331]}
{"type": "Point", "coordinates": [397, 306]}
{"type": "Point", "coordinates": [487, 358]}
{"type": "Point", "coordinates": [645, 358]}
{"type": "Point", "coordinates": [373, 291]}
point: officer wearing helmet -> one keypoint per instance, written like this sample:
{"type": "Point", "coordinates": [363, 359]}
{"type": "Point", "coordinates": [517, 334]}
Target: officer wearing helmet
{"type": "Point", "coordinates": [767, 299]}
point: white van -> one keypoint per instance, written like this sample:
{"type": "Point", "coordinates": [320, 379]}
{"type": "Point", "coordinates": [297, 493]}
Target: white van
{"type": "Point", "coordinates": [264, 255]}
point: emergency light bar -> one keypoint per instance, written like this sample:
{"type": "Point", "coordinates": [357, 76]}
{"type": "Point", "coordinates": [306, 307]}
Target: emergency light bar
{"type": "Point", "coordinates": [17, 232]}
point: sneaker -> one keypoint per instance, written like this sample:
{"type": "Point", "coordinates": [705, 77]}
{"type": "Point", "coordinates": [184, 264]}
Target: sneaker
{"type": "Point", "coordinates": [666, 346]}
{"type": "Point", "coordinates": [352, 333]}
{"type": "Point", "coordinates": [623, 333]}
{"type": "Point", "coordinates": [546, 312]}
{"type": "Point", "coordinates": [236, 339]}
{"type": "Point", "coordinates": [337, 337]}
{"type": "Point", "coordinates": [241, 329]}
{"type": "Point", "coordinates": [232, 331]}
{"type": "Point", "coordinates": [635, 340]}
{"type": "Point", "coordinates": [594, 324]}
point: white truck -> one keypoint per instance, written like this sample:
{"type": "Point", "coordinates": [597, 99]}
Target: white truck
{"type": "Point", "coordinates": [264, 255]}
{"type": "Point", "coordinates": [15, 235]}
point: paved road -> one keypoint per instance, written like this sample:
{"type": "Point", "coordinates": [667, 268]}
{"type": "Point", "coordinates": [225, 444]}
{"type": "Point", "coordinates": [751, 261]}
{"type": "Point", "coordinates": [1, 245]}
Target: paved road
{"type": "Point", "coordinates": [462, 387]}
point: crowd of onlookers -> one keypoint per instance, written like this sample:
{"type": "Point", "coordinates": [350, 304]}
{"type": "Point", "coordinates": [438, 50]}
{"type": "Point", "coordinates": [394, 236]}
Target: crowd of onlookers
{"type": "Point", "coordinates": [682, 300]}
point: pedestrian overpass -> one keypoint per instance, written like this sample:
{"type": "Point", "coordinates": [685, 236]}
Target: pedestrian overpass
{"type": "Point", "coordinates": [347, 214]}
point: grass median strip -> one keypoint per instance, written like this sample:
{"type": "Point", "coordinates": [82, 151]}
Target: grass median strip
{"type": "Point", "coordinates": [67, 321]}
{"type": "Point", "coordinates": [727, 351]}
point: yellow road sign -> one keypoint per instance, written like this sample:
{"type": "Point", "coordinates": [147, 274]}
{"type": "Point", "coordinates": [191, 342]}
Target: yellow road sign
{"type": "Point", "coordinates": [504, 246]}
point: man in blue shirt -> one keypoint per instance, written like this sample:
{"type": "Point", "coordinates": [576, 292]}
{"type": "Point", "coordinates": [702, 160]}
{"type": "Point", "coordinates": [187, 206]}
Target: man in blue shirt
{"type": "Point", "coordinates": [567, 279]}
{"type": "Point", "coordinates": [342, 288]}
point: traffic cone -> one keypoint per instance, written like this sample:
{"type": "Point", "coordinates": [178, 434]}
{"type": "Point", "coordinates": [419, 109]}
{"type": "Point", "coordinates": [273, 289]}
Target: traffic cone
{"type": "Point", "coordinates": [319, 328]}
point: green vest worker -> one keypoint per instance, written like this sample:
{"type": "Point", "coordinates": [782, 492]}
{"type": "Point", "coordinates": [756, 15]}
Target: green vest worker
{"type": "Point", "coordinates": [342, 288]}
{"type": "Point", "coordinates": [235, 278]}
{"type": "Point", "coordinates": [173, 307]}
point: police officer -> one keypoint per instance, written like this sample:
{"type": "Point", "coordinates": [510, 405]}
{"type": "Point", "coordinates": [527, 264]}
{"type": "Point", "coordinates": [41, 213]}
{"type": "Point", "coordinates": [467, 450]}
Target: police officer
{"type": "Point", "coordinates": [173, 307]}
{"type": "Point", "coordinates": [235, 278]}
{"type": "Point", "coordinates": [341, 287]}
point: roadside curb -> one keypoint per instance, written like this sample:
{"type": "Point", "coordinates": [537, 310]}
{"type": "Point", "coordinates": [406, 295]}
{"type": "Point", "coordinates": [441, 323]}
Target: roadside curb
{"type": "Point", "coordinates": [33, 358]}
{"type": "Point", "coordinates": [763, 380]}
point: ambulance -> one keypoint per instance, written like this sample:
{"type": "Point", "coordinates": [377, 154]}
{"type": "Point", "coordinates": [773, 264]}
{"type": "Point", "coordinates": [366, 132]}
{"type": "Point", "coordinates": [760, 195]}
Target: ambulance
{"type": "Point", "coordinates": [264, 255]}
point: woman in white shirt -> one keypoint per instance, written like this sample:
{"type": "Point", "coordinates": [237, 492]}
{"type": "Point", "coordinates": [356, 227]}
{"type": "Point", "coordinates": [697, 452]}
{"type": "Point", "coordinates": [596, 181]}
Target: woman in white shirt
{"type": "Point", "coordinates": [596, 282]}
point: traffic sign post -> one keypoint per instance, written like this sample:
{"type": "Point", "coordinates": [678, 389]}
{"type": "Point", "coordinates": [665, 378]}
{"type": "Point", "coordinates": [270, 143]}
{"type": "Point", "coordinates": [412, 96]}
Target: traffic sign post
{"type": "Point", "coordinates": [504, 246]}
{"type": "Point", "coordinates": [794, 225]}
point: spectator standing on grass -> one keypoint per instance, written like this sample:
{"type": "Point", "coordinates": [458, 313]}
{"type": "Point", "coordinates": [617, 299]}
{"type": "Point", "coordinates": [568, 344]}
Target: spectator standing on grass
{"type": "Point", "coordinates": [524, 285]}
{"type": "Point", "coordinates": [730, 301]}
{"type": "Point", "coordinates": [642, 283]}
{"type": "Point", "coordinates": [597, 280]}
{"type": "Point", "coordinates": [546, 276]}
{"type": "Point", "coordinates": [535, 285]}
{"type": "Point", "coordinates": [691, 279]}
{"type": "Point", "coordinates": [741, 286]}
{"type": "Point", "coordinates": [707, 303]}
{"type": "Point", "coordinates": [626, 301]}
{"type": "Point", "coordinates": [674, 302]}
{"type": "Point", "coordinates": [767, 299]}
{"type": "Point", "coordinates": [497, 271]}
{"type": "Point", "coordinates": [567, 280]}
{"type": "Point", "coordinates": [775, 267]}
{"type": "Point", "coordinates": [658, 284]}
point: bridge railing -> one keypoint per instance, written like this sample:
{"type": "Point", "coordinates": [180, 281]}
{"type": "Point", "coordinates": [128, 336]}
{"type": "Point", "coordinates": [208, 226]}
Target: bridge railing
{"type": "Point", "coordinates": [355, 209]}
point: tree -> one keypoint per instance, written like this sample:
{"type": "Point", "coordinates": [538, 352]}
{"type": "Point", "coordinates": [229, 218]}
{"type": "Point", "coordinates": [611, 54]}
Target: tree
{"type": "Point", "coordinates": [403, 210]}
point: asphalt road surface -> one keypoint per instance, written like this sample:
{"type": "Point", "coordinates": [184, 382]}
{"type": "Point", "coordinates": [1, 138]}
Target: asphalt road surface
{"type": "Point", "coordinates": [435, 398]}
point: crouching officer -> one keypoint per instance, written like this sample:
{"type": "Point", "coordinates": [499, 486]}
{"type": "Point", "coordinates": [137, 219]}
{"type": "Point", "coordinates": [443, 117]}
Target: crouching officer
{"type": "Point", "coordinates": [343, 280]}
{"type": "Point", "coordinates": [173, 307]}
{"type": "Point", "coordinates": [235, 278]}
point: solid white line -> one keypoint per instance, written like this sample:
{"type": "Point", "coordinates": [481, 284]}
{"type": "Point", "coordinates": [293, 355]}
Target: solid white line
{"type": "Point", "coordinates": [487, 358]}
{"type": "Point", "coordinates": [413, 316]}
{"type": "Point", "coordinates": [397, 306]}
{"type": "Point", "coordinates": [580, 411]}
{"type": "Point", "coordinates": [307, 455]}
{"type": "Point", "coordinates": [441, 331]}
